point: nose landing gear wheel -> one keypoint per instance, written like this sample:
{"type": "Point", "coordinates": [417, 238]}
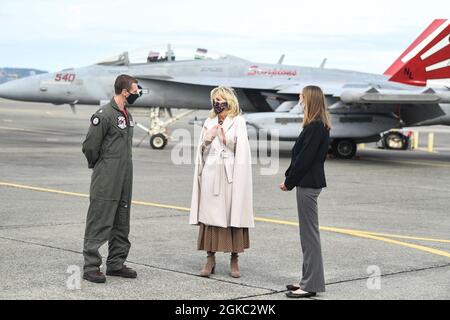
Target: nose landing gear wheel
{"type": "Point", "coordinates": [158, 141]}
{"type": "Point", "coordinates": [344, 148]}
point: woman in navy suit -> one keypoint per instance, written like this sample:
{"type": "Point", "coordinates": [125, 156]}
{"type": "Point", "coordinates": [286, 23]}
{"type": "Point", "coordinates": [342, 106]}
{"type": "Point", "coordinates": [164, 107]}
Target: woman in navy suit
{"type": "Point", "coordinates": [306, 173]}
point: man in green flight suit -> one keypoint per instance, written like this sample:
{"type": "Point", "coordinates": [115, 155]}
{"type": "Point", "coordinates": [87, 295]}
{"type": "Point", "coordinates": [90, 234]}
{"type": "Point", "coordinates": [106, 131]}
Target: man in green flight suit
{"type": "Point", "coordinates": [107, 148]}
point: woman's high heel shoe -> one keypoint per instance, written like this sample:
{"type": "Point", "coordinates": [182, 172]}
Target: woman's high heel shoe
{"type": "Point", "coordinates": [210, 265]}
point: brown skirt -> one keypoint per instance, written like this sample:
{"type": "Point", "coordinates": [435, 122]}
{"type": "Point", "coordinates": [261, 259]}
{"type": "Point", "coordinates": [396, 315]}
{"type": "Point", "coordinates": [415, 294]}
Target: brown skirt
{"type": "Point", "coordinates": [217, 239]}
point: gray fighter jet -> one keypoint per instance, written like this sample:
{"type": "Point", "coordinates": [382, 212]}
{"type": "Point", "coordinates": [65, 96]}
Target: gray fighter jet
{"type": "Point", "coordinates": [362, 105]}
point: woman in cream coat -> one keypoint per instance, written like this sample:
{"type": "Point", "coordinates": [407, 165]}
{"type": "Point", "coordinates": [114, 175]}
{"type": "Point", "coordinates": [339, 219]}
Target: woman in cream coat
{"type": "Point", "coordinates": [222, 195]}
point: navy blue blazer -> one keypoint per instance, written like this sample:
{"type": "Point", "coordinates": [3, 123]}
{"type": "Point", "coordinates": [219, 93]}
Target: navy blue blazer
{"type": "Point", "coordinates": [308, 156]}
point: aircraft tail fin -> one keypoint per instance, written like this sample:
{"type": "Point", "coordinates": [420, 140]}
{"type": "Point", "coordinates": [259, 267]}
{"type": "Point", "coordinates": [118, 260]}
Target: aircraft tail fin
{"type": "Point", "coordinates": [427, 58]}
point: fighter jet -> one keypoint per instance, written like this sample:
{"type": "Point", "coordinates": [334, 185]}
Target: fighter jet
{"type": "Point", "coordinates": [362, 105]}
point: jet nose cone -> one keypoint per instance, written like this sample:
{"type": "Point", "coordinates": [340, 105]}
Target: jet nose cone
{"type": "Point", "coordinates": [21, 89]}
{"type": "Point", "coordinates": [5, 90]}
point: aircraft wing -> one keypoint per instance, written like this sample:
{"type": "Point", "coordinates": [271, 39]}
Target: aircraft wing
{"type": "Point", "coordinates": [234, 82]}
{"type": "Point", "coordinates": [242, 83]}
{"type": "Point", "coordinates": [346, 93]}
{"type": "Point", "coordinates": [411, 106]}
{"type": "Point", "coordinates": [329, 89]}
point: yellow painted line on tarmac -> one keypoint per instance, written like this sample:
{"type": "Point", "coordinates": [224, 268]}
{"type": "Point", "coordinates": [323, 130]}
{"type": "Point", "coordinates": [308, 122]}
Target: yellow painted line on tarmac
{"type": "Point", "coordinates": [83, 195]}
{"type": "Point", "coordinates": [356, 233]}
{"type": "Point", "coordinates": [159, 205]}
{"type": "Point", "coordinates": [287, 223]}
{"type": "Point", "coordinates": [21, 186]}
{"type": "Point", "coordinates": [363, 234]}
{"type": "Point", "coordinates": [400, 243]}
{"type": "Point", "coordinates": [405, 237]}
{"type": "Point", "coordinates": [351, 231]}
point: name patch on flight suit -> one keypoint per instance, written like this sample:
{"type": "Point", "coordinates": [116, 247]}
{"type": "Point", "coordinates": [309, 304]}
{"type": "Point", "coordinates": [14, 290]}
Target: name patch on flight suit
{"type": "Point", "coordinates": [121, 122]}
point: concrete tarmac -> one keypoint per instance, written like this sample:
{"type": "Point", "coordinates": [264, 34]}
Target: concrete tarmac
{"type": "Point", "coordinates": [385, 219]}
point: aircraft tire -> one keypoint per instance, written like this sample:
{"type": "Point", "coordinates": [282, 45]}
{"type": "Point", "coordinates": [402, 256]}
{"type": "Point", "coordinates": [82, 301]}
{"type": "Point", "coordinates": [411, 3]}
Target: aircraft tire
{"type": "Point", "coordinates": [158, 141]}
{"type": "Point", "coordinates": [344, 148]}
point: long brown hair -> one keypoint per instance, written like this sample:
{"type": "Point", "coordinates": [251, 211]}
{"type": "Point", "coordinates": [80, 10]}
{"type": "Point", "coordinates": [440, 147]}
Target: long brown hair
{"type": "Point", "coordinates": [315, 107]}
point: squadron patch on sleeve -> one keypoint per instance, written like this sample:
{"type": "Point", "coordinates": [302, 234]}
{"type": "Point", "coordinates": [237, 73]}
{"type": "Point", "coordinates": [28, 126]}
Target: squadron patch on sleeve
{"type": "Point", "coordinates": [95, 120]}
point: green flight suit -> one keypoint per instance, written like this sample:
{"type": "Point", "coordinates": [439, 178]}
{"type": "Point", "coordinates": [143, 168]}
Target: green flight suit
{"type": "Point", "coordinates": [108, 150]}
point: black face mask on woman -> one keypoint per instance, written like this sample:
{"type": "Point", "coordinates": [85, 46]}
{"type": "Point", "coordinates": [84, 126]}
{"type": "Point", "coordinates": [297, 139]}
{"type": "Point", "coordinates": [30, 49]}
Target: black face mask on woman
{"type": "Point", "coordinates": [133, 96]}
{"type": "Point", "coordinates": [219, 106]}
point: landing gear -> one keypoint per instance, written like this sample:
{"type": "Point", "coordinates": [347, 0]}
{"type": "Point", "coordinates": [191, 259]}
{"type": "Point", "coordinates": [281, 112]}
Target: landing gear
{"type": "Point", "coordinates": [158, 128]}
{"type": "Point", "coordinates": [343, 148]}
{"type": "Point", "coordinates": [158, 141]}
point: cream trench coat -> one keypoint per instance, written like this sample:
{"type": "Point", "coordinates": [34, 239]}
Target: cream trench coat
{"type": "Point", "coordinates": [222, 192]}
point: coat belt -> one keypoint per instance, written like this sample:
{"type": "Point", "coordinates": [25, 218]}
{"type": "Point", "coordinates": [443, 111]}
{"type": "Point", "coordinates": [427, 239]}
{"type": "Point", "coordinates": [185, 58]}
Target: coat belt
{"type": "Point", "coordinates": [219, 168]}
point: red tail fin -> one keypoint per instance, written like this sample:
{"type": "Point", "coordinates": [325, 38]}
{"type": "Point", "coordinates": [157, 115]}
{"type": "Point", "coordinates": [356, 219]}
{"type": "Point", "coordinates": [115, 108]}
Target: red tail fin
{"type": "Point", "coordinates": [428, 57]}
{"type": "Point", "coordinates": [428, 31]}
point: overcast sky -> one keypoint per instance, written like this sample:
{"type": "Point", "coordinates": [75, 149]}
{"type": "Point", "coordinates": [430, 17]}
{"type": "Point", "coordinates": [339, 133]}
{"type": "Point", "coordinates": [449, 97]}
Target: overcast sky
{"type": "Point", "coordinates": [352, 34]}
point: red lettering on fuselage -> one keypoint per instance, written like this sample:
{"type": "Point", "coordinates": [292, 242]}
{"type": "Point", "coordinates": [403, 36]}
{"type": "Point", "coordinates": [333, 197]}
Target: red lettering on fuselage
{"type": "Point", "coordinates": [255, 71]}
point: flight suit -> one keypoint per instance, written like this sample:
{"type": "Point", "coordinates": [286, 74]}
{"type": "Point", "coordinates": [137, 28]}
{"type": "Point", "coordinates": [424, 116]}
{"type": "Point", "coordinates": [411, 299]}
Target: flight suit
{"type": "Point", "coordinates": [108, 150]}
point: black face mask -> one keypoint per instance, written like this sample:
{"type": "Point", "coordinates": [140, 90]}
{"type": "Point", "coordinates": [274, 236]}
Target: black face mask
{"type": "Point", "coordinates": [133, 96]}
{"type": "Point", "coordinates": [219, 107]}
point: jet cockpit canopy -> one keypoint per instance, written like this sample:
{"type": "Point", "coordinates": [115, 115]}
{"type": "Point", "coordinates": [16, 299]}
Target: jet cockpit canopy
{"type": "Point", "coordinates": [158, 54]}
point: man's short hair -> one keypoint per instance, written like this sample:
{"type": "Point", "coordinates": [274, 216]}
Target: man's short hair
{"type": "Point", "coordinates": [123, 81]}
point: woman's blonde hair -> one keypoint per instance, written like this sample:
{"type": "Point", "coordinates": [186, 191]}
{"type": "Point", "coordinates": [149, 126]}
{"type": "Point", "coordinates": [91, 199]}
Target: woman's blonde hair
{"type": "Point", "coordinates": [227, 94]}
{"type": "Point", "coordinates": [315, 107]}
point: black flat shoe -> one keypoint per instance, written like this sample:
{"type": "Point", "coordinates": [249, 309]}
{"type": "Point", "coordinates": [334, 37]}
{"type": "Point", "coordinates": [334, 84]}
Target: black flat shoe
{"type": "Point", "coordinates": [95, 276]}
{"type": "Point", "coordinates": [125, 272]}
{"type": "Point", "coordinates": [292, 287]}
{"type": "Point", "coordinates": [291, 294]}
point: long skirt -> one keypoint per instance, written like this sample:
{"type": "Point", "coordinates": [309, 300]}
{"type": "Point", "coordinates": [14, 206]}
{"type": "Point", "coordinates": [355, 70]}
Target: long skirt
{"type": "Point", "coordinates": [217, 239]}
